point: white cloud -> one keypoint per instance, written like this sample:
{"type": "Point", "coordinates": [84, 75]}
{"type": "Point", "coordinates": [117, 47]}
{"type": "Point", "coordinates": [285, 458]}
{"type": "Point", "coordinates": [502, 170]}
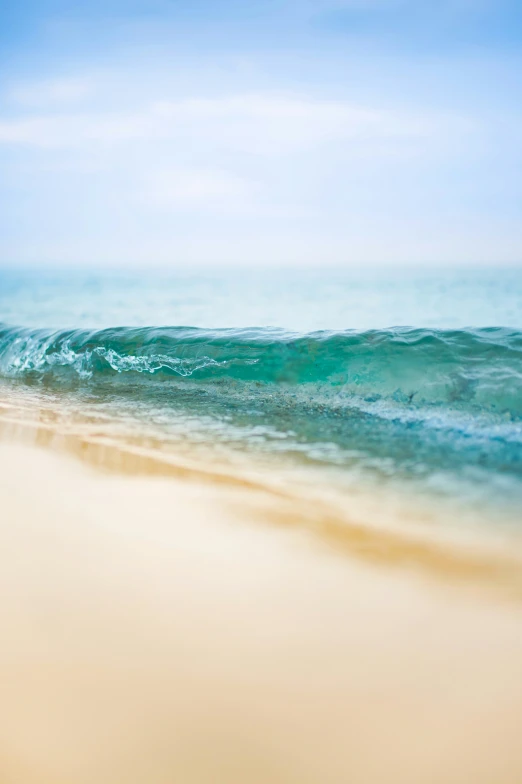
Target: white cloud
{"type": "Point", "coordinates": [175, 188]}
{"type": "Point", "coordinates": [266, 175]}
{"type": "Point", "coordinates": [265, 124]}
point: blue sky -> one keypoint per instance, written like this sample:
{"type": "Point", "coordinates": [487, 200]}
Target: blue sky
{"type": "Point", "coordinates": [270, 132]}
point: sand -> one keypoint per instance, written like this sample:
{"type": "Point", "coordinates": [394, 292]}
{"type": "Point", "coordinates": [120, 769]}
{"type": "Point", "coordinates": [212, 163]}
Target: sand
{"type": "Point", "coordinates": [168, 630]}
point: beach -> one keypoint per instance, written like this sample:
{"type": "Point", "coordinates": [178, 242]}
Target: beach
{"type": "Point", "coordinates": [175, 628]}
{"type": "Point", "coordinates": [260, 392]}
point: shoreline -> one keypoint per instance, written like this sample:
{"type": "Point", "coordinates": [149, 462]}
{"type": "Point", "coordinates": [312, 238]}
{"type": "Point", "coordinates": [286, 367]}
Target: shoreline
{"type": "Point", "coordinates": [154, 631]}
{"type": "Point", "coordinates": [489, 561]}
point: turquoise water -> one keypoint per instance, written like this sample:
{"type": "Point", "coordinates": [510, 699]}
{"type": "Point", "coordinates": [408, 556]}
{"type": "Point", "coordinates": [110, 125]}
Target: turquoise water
{"type": "Point", "coordinates": [380, 378]}
{"type": "Point", "coordinates": [301, 300]}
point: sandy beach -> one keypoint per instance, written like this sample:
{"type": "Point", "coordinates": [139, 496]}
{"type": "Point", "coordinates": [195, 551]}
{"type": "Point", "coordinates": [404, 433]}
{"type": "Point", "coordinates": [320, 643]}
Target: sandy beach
{"type": "Point", "coordinates": [165, 629]}
{"type": "Point", "coordinates": [260, 392]}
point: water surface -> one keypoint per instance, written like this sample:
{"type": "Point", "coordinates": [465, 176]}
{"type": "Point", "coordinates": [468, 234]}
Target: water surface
{"type": "Point", "coordinates": [408, 383]}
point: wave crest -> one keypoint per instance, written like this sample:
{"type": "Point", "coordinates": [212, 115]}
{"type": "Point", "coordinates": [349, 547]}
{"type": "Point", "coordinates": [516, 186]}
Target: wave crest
{"type": "Point", "coordinates": [472, 369]}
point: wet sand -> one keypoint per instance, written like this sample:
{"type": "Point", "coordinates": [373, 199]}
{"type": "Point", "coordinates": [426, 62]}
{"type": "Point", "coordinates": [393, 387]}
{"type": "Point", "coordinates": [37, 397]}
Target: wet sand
{"type": "Point", "coordinates": [163, 629]}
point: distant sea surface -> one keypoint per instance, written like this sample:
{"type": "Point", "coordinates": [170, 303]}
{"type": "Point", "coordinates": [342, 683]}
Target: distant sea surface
{"type": "Point", "coordinates": [402, 382]}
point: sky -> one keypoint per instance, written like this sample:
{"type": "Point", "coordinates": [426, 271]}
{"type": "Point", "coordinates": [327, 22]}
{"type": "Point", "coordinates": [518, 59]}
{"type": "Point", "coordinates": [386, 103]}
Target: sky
{"type": "Point", "coordinates": [268, 132]}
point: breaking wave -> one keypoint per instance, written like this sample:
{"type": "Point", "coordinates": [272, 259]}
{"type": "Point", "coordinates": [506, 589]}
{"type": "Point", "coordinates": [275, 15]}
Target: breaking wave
{"type": "Point", "coordinates": [440, 409]}
{"type": "Point", "coordinates": [474, 370]}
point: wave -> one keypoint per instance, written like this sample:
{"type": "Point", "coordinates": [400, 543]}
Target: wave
{"type": "Point", "coordinates": [439, 409]}
{"type": "Point", "coordinates": [473, 369]}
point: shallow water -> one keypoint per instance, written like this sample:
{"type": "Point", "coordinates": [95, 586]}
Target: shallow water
{"type": "Point", "coordinates": [409, 382]}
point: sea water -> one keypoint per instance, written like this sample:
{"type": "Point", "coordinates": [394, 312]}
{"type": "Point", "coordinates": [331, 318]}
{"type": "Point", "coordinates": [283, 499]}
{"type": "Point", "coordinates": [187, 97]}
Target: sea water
{"type": "Point", "coordinates": [403, 379]}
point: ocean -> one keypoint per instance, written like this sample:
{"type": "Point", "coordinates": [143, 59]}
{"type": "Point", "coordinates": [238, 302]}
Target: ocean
{"type": "Point", "coordinates": [401, 387]}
